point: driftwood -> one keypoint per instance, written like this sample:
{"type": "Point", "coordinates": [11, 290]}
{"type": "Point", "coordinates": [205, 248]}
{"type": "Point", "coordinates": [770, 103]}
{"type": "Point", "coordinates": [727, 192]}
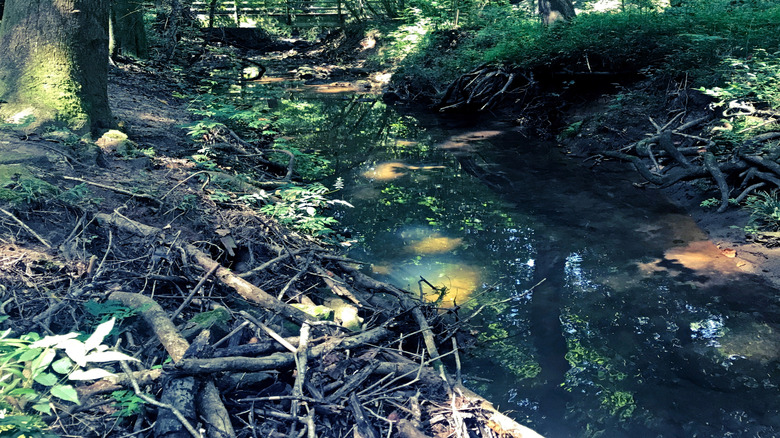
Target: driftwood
{"type": "Point", "coordinates": [244, 288]}
{"type": "Point", "coordinates": [275, 360]}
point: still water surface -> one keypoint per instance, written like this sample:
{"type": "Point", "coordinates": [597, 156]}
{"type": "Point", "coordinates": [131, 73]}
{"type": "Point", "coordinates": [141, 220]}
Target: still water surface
{"type": "Point", "coordinates": [638, 326]}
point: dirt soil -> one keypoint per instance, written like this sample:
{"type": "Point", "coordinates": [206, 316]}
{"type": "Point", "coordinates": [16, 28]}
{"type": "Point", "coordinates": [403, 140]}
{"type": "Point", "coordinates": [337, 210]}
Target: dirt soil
{"type": "Point", "coordinates": [604, 126]}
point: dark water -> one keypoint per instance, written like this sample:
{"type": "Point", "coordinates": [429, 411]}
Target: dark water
{"type": "Point", "coordinates": [638, 325]}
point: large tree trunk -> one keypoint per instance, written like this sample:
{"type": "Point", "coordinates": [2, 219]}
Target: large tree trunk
{"type": "Point", "coordinates": [555, 10]}
{"type": "Point", "coordinates": [127, 32]}
{"type": "Point", "coordinates": [54, 63]}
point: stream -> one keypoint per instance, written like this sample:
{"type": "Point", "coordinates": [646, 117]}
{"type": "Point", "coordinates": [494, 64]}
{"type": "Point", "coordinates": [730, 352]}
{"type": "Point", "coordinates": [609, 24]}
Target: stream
{"type": "Point", "coordinates": [603, 309]}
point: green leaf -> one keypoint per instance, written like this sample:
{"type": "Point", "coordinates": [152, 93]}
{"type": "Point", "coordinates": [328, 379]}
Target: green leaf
{"type": "Point", "coordinates": [91, 374]}
{"type": "Point", "coordinates": [65, 392]}
{"type": "Point", "coordinates": [30, 354]}
{"type": "Point", "coordinates": [43, 407]}
{"type": "Point", "coordinates": [41, 362]}
{"type": "Point", "coordinates": [62, 366]}
{"type": "Point", "coordinates": [100, 333]}
{"type": "Point", "coordinates": [23, 391]}
{"type": "Point", "coordinates": [54, 341]}
{"type": "Point", "coordinates": [46, 379]}
{"type": "Point", "coordinates": [75, 350]}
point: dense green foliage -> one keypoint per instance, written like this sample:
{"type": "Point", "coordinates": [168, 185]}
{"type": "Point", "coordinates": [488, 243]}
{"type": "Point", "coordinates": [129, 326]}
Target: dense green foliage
{"type": "Point", "coordinates": [690, 40]}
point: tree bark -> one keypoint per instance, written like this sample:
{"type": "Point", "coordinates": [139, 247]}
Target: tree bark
{"type": "Point", "coordinates": [552, 11]}
{"type": "Point", "coordinates": [54, 63]}
{"type": "Point", "coordinates": [128, 36]}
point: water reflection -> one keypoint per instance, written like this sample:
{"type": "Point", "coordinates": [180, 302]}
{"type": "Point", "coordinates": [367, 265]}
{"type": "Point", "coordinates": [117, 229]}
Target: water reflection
{"type": "Point", "coordinates": [641, 326]}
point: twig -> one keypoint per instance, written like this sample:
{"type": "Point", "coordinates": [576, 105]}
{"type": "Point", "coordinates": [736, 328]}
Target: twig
{"type": "Point", "coordinates": [301, 367]}
{"type": "Point", "coordinates": [273, 261]}
{"type": "Point", "coordinates": [747, 191]}
{"type": "Point", "coordinates": [193, 292]}
{"type": "Point", "coordinates": [115, 189]}
{"type": "Point", "coordinates": [295, 278]}
{"type": "Point", "coordinates": [182, 182]}
{"type": "Point", "coordinates": [99, 269]}
{"type": "Point", "coordinates": [310, 426]}
{"type": "Point", "coordinates": [712, 166]}
{"type": "Point", "coordinates": [26, 228]}
{"type": "Point", "coordinates": [458, 375]}
{"type": "Point", "coordinates": [154, 402]}
{"type": "Point", "coordinates": [231, 334]}
{"type": "Point", "coordinates": [277, 398]}
{"type": "Point", "coordinates": [652, 158]}
{"type": "Point", "coordinates": [269, 332]}
{"type": "Point", "coordinates": [64, 154]}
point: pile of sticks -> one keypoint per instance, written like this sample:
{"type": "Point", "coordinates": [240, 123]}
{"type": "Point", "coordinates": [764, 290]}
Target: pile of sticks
{"type": "Point", "coordinates": [278, 371]}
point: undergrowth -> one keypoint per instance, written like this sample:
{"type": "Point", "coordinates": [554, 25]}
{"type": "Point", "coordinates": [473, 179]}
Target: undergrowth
{"type": "Point", "coordinates": [676, 42]}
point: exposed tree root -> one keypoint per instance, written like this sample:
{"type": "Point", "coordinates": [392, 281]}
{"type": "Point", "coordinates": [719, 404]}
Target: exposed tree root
{"type": "Point", "coordinates": [735, 175]}
{"type": "Point", "coordinates": [483, 89]}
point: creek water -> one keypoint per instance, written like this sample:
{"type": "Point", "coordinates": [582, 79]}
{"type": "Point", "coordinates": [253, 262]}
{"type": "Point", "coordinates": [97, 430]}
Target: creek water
{"type": "Point", "coordinates": [603, 309]}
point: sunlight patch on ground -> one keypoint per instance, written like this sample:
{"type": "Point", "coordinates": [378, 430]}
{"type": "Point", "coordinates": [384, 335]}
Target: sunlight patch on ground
{"type": "Point", "coordinates": [335, 88]}
{"type": "Point", "coordinates": [702, 256]}
{"type": "Point", "coordinates": [156, 118]}
{"type": "Point", "coordinates": [460, 280]}
{"type": "Point", "coordinates": [688, 246]}
{"type": "Point", "coordinates": [272, 80]}
{"type": "Point", "coordinates": [603, 6]}
{"type": "Point", "coordinates": [380, 269]}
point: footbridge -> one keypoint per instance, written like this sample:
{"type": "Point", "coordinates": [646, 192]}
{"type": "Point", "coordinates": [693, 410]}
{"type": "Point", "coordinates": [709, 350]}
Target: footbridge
{"type": "Point", "coordinates": [296, 13]}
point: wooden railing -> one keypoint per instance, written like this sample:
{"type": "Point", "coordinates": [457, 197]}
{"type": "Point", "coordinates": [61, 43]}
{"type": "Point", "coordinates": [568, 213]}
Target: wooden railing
{"type": "Point", "coordinates": [299, 13]}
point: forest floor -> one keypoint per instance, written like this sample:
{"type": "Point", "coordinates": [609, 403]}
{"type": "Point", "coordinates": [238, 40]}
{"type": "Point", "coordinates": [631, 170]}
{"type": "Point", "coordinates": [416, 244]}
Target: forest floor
{"type": "Point", "coordinates": [132, 228]}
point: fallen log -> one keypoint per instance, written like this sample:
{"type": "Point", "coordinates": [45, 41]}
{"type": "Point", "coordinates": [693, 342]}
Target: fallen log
{"type": "Point", "coordinates": [180, 392]}
{"type": "Point", "coordinates": [227, 277]}
{"type": "Point", "coordinates": [275, 360]}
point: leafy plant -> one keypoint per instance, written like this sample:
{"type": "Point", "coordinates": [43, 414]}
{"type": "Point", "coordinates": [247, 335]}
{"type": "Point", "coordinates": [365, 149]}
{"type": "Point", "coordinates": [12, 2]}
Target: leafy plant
{"type": "Point", "coordinates": [33, 369]}
{"type": "Point", "coordinates": [756, 79]}
{"type": "Point", "coordinates": [104, 311]}
{"type": "Point", "coordinates": [198, 129]}
{"type": "Point", "coordinates": [127, 403]}
{"type": "Point", "coordinates": [300, 208]}
{"type": "Point", "coordinates": [19, 187]}
{"type": "Point", "coordinates": [79, 195]}
{"type": "Point", "coordinates": [764, 211]}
